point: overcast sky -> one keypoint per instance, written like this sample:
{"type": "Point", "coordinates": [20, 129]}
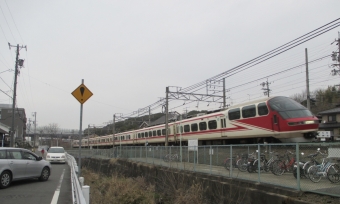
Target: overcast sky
{"type": "Point", "coordinates": [128, 52]}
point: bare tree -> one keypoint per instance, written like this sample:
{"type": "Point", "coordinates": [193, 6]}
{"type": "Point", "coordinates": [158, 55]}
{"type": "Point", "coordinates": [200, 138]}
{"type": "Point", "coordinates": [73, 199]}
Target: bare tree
{"type": "Point", "coordinates": [300, 97]}
{"type": "Point", "coordinates": [52, 130]}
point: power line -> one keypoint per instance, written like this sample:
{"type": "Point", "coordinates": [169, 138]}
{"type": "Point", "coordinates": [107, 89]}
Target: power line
{"type": "Point", "coordinates": [7, 23]}
{"type": "Point", "coordinates": [14, 22]}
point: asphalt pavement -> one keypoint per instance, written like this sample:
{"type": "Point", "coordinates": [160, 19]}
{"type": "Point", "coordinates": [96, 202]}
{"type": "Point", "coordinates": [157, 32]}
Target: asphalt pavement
{"type": "Point", "coordinates": [34, 191]}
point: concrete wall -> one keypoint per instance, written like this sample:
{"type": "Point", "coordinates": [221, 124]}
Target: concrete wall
{"type": "Point", "coordinates": [216, 189]}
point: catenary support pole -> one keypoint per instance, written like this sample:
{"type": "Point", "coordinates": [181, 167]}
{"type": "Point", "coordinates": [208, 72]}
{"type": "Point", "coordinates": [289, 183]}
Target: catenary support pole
{"type": "Point", "coordinates": [307, 81]}
{"type": "Point", "coordinates": [166, 115]}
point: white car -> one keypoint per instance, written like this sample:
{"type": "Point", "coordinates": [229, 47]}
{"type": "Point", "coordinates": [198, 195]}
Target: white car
{"type": "Point", "coordinates": [56, 155]}
{"type": "Point", "coordinates": [18, 164]}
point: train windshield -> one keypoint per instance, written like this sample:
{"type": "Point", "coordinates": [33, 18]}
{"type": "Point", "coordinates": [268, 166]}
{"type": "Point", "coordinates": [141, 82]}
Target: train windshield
{"type": "Point", "coordinates": [288, 108]}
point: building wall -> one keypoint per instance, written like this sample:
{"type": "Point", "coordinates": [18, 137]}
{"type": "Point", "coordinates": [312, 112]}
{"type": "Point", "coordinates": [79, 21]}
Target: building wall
{"type": "Point", "coordinates": [19, 120]}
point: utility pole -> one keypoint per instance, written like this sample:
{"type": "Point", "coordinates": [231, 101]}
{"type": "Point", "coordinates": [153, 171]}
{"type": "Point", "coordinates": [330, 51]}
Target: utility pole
{"type": "Point", "coordinates": [266, 90]}
{"type": "Point", "coordinates": [18, 63]}
{"type": "Point", "coordinates": [88, 136]}
{"type": "Point", "coordinates": [149, 116]}
{"type": "Point", "coordinates": [336, 57]}
{"type": "Point", "coordinates": [113, 131]}
{"type": "Point", "coordinates": [224, 102]}
{"type": "Point", "coordinates": [307, 80]}
{"type": "Point", "coordinates": [166, 115]}
{"type": "Point", "coordinates": [35, 127]}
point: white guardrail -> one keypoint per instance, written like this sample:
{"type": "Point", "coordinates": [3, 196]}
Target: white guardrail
{"type": "Point", "coordinates": [80, 193]}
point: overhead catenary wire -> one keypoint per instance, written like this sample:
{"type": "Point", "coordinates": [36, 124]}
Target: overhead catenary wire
{"type": "Point", "coordinates": [264, 57]}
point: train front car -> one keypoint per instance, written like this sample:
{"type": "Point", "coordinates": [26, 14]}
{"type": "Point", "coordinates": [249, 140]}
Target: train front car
{"type": "Point", "coordinates": [291, 121]}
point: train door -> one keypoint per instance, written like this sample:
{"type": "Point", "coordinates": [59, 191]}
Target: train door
{"type": "Point", "coordinates": [175, 132]}
{"type": "Point", "coordinates": [276, 122]}
{"type": "Point", "coordinates": [223, 126]}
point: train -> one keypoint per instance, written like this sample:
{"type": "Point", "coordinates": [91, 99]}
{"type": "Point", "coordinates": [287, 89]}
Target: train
{"type": "Point", "coordinates": [272, 119]}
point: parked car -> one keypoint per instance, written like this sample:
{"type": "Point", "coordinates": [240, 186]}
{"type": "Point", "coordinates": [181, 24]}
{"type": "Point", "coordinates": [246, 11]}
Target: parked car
{"type": "Point", "coordinates": [56, 155]}
{"type": "Point", "coordinates": [19, 164]}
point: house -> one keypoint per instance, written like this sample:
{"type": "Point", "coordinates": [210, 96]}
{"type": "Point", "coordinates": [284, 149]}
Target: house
{"type": "Point", "coordinates": [330, 121]}
{"type": "Point", "coordinates": [19, 120]}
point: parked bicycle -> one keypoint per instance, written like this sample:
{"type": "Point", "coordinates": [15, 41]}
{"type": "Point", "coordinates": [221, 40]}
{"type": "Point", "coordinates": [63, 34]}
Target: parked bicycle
{"type": "Point", "coordinates": [325, 169]}
{"type": "Point", "coordinates": [171, 157]}
{"type": "Point", "coordinates": [243, 163]}
{"type": "Point", "coordinates": [235, 161]}
{"type": "Point", "coordinates": [253, 164]}
{"type": "Point", "coordinates": [284, 164]}
{"type": "Point", "coordinates": [305, 165]}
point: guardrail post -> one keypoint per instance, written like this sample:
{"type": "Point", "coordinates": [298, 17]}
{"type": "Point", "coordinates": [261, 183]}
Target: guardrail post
{"type": "Point", "coordinates": [86, 193]}
{"type": "Point", "coordinates": [81, 181]}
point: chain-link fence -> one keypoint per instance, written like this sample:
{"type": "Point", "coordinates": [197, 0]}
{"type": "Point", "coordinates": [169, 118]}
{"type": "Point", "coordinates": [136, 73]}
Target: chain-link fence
{"type": "Point", "coordinates": [313, 167]}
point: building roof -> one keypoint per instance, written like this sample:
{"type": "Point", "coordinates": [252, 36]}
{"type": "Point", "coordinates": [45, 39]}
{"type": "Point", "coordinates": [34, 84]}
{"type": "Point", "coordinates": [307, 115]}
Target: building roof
{"type": "Point", "coordinates": [4, 128]}
{"type": "Point", "coordinates": [330, 111]}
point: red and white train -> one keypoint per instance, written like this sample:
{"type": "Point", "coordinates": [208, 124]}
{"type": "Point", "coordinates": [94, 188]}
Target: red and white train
{"type": "Point", "coordinates": [272, 119]}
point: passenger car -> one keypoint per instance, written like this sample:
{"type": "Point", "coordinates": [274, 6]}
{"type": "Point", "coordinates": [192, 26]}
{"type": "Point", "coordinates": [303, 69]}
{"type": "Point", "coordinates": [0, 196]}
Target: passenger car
{"type": "Point", "coordinates": [56, 155]}
{"type": "Point", "coordinates": [18, 164]}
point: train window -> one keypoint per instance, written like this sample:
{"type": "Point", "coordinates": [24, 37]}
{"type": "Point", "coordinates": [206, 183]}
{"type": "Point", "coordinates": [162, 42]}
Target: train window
{"type": "Point", "coordinates": [169, 131]}
{"type": "Point", "coordinates": [212, 124]}
{"type": "Point", "coordinates": [288, 108]}
{"type": "Point", "coordinates": [194, 127]}
{"type": "Point", "coordinates": [249, 111]}
{"type": "Point", "coordinates": [181, 129]}
{"type": "Point", "coordinates": [262, 109]}
{"type": "Point", "coordinates": [203, 125]}
{"type": "Point", "coordinates": [142, 134]}
{"type": "Point", "coordinates": [234, 114]}
{"type": "Point", "coordinates": [163, 132]}
{"type": "Point", "coordinates": [150, 134]}
{"type": "Point", "coordinates": [138, 135]}
{"type": "Point", "coordinates": [146, 134]}
{"type": "Point", "coordinates": [154, 133]}
{"type": "Point", "coordinates": [186, 128]}
{"type": "Point", "coordinates": [159, 133]}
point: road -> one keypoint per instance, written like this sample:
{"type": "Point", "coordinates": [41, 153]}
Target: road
{"type": "Point", "coordinates": [57, 190]}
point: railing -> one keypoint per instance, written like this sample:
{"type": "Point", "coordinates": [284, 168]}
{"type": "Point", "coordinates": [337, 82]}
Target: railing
{"type": "Point", "coordinates": [222, 161]}
{"type": "Point", "coordinates": [77, 186]}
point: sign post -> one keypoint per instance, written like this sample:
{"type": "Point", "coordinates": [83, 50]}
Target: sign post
{"type": "Point", "coordinates": [82, 93]}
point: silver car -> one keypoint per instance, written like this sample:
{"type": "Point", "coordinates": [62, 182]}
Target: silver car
{"type": "Point", "coordinates": [18, 164]}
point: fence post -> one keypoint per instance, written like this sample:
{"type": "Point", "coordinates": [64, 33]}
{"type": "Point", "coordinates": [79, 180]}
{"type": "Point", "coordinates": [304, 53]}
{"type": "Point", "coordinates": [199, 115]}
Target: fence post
{"type": "Point", "coordinates": [259, 163]}
{"type": "Point", "coordinates": [231, 161]}
{"type": "Point", "coordinates": [210, 159]}
{"type": "Point", "coordinates": [297, 166]}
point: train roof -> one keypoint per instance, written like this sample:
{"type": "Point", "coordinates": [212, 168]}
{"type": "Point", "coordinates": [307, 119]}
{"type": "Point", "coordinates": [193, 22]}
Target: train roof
{"type": "Point", "coordinates": [252, 102]}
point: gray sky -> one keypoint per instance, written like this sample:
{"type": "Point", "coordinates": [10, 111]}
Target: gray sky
{"type": "Point", "coordinates": [127, 52]}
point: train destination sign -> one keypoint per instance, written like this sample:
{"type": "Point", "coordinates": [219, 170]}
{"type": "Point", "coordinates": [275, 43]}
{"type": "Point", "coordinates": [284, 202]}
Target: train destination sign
{"type": "Point", "coordinates": [82, 93]}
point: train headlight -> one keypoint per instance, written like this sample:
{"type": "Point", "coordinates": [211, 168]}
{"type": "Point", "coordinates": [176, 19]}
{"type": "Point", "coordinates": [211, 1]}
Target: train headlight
{"type": "Point", "coordinates": [303, 122]}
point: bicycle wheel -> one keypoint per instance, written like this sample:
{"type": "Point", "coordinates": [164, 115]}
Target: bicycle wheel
{"type": "Point", "coordinates": [278, 167]}
{"type": "Point", "coordinates": [166, 158]}
{"type": "Point", "coordinates": [242, 165]}
{"type": "Point", "coordinates": [333, 173]}
{"type": "Point", "coordinates": [305, 168]}
{"type": "Point", "coordinates": [266, 167]}
{"type": "Point", "coordinates": [313, 174]}
{"type": "Point", "coordinates": [227, 164]}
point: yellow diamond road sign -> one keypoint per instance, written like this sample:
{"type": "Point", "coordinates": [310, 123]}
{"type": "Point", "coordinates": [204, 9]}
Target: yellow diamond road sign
{"type": "Point", "coordinates": [82, 93]}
